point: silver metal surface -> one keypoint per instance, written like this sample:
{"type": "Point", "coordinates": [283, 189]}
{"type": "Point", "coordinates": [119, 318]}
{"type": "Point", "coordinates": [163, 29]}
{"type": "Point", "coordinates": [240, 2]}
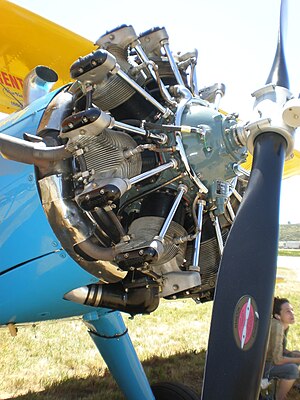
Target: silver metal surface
{"type": "Point", "coordinates": [201, 204]}
{"type": "Point", "coordinates": [230, 210]}
{"type": "Point", "coordinates": [62, 211]}
{"type": "Point", "coordinates": [154, 171]}
{"type": "Point", "coordinates": [57, 110]}
{"type": "Point", "coordinates": [37, 83]}
{"type": "Point", "coordinates": [78, 295]}
{"type": "Point", "coordinates": [140, 131]}
{"type": "Point", "coordinates": [143, 57]}
{"type": "Point", "coordinates": [269, 107]}
{"type": "Point", "coordinates": [237, 195]}
{"type": "Point", "coordinates": [215, 221]}
{"type": "Point", "coordinates": [172, 62]}
{"type": "Point", "coordinates": [175, 282]}
{"type": "Point", "coordinates": [165, 111]}
{"type": "Point", "coordinates": [182, 189]}
{"type": "Point", "coordinates": [72, 226]}
{"type": "Point", "coordinates": [92, 129]}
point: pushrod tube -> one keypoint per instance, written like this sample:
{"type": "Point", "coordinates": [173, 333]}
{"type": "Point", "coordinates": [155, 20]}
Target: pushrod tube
{"type": "Point", "coordinates": [165, 111]}
{"type": "Point", "coordinates": [216, 224]}
{"type": "Point", "coordinates": [173, 63]}
{"type": "Point", "coordinates": [198, 237]}
{"type": "Point", "coordinates": [154, 171]}
{"type": "Point", "coordinates": [182, 189]}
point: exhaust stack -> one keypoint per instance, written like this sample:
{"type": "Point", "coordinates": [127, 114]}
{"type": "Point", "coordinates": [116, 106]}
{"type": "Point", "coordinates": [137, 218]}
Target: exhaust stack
{"type": "Point", "coordinates": [37, 83]}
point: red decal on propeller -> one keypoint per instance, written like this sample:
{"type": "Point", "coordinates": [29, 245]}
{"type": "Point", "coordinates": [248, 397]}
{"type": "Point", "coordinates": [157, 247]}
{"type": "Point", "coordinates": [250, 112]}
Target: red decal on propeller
{"type": "Point", "coordinates": [245, 322]}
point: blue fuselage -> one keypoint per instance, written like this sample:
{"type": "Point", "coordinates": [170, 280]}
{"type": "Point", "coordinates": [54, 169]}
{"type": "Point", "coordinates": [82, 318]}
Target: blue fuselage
{"type": "Point", "coordinates": [35, 272]}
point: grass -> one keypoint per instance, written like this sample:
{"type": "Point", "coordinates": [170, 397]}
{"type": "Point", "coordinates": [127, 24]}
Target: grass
{"type": "Point", "coordinates": [52, 361]}
{"type": "Point", "coordinates": [289, 252]}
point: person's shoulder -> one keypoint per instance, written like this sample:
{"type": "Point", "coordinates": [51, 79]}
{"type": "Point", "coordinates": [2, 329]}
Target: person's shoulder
{"type": "Point", "coordinates": [275, 322]}
{"type": "Point", "coordinates": [276, 326]}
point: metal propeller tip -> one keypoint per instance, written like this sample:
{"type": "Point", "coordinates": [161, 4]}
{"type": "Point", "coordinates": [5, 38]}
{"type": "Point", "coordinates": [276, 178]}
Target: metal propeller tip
{"type": "Point", "coordinates": [279, 73]}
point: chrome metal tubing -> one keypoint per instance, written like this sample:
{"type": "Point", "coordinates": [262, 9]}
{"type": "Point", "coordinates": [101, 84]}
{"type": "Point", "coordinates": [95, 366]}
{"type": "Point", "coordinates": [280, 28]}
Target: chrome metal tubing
{"type": "Point", "coordinates": [218, 98]}
{"type": "Point", "coordinates": [237, 195]}
{"type": "Point", "coordinates": [139, 131]}
{"type": "Point", "coordinates": [165, 111]}
{"type": "Point", "coordinates": [143, 56]}
{"type": "Point", "coordinates": [172, 62]}
{"type": "Point", "coordinates": [182, 189]}
{"type": "Point", "coordinates": [171, 164]}
{"type": "Point", "coordinates": [194, 82]}
{"type": "Point", "coordinates": [74, 228]}
{"type": "Point", "coordinates": [230, 210]}
{"type": "Point", "coordinates": [201, 204]}
{"type": "Point", "coordinates": [216, 224]}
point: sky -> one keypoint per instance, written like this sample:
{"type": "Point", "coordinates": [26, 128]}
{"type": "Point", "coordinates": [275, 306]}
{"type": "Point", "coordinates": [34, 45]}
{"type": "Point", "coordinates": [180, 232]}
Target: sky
{"type": "Point", "coordinates": [236, 42]}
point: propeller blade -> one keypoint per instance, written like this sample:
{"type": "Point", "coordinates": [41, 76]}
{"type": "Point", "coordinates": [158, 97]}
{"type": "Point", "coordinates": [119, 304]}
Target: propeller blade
{"type": "Point", "coordinates": [278, 74]}
{"type": "Point", "coordinates": [244, 292]}
{"type": "Point", "coordinates": [245, 286]}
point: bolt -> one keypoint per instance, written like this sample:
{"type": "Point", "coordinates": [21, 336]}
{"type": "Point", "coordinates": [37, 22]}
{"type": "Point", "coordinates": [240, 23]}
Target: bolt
{"type": "Point", "coordinates": [126, 255]}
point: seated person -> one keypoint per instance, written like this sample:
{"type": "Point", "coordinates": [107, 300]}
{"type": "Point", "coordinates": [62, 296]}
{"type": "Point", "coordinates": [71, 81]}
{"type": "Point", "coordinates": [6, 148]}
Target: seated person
{"type": "Point", "coordinates": [280, 362]}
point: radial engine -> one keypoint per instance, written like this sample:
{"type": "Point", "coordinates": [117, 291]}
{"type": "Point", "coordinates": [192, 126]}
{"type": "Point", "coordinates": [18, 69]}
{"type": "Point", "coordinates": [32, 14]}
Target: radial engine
{"type": "Point", "coordinates": [145, 175]}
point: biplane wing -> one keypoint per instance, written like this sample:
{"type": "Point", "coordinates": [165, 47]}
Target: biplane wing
{"type": "Point", "coordinates": [291, 166]}
{"type": "Point", "coordinates": [28, 40]}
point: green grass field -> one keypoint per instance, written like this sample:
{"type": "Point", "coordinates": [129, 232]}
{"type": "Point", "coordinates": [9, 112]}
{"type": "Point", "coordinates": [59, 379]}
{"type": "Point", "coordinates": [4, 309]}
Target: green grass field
{"type": "Point", "coordinates": [59, 361]}
{"type": "Point", "coordinates": [289, 252]}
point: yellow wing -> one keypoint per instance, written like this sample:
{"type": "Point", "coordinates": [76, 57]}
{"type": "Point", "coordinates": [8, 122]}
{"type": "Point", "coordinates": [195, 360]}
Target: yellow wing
{"type": "Point", "coordinates": [28, 40]}
{"type": "Point", "coordinates": [291, 166]}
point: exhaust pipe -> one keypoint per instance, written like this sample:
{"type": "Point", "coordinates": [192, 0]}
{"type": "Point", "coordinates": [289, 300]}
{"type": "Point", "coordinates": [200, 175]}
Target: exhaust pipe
{"type": "Point", "coordinates": [26, 152]}
{"type": "Point", "coordinates": [37, 83]}
{"type": "Point", "coordinates": [141, 298]}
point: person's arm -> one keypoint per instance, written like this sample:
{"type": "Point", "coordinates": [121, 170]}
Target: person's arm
{"type": "Point", "coordinates": [294, 353]}
{"type": "Point", "coordinates": [279, 356]}
{"type": "Point", "coordinates": [287, 360]}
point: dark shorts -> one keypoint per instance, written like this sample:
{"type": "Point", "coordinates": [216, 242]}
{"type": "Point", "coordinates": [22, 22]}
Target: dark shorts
{"type": "Point", "coordinates": [285, 371]}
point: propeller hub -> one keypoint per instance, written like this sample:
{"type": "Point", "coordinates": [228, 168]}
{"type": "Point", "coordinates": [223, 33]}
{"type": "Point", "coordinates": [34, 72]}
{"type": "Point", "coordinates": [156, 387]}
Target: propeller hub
{"type": "Point", "coordinates": [291, 113]}
{"type": "Point", "coordinates": [270, 106]}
